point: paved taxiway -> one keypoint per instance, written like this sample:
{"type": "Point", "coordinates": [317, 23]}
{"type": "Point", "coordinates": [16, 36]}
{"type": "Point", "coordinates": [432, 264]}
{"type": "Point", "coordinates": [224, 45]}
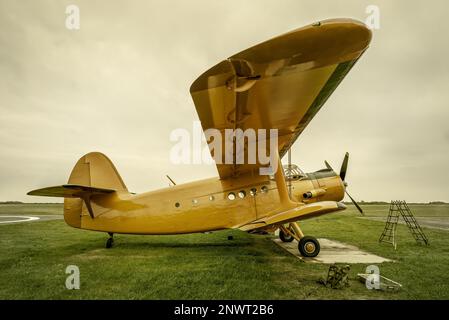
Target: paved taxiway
{"type": "Point", "coordinates": [10, 219]}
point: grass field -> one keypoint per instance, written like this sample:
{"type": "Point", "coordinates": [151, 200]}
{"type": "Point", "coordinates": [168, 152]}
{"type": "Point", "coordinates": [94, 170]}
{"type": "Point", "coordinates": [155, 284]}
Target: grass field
{"type": "Point", "coordinates": [30, 209]}
{"type": "Point", "coordinates": [33, 258]}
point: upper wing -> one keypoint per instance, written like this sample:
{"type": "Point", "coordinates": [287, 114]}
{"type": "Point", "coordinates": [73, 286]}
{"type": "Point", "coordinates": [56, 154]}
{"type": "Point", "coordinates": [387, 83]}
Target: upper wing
{"type": "Point", "coordinates": [279, 84]}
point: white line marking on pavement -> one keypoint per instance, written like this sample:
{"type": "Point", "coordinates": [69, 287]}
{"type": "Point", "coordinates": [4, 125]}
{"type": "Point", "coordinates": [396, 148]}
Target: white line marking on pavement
{"type": "Point", "coordinates": [23, 219]}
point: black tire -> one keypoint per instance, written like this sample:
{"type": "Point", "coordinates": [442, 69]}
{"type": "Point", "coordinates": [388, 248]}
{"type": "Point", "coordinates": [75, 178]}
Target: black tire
{"type": "Point", "coordinates": [285, 237]}
{"type": "Point", "coordinates": [109, 243]}
{"type": "Point", "coordinates": [309, 247]}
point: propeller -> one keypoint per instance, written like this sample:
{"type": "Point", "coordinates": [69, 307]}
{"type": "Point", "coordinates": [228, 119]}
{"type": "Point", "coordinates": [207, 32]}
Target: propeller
{"type": "Point", "coordinates": [343, 169]}
{"type": "Point", "coordinates": [354, 202]}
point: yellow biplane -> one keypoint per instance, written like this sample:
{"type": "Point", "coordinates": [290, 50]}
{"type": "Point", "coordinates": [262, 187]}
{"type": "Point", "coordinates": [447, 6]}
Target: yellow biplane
{"type": "Point", "coordinates": [279, 84]}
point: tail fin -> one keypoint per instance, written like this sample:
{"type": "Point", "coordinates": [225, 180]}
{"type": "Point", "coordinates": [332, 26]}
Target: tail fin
{"type": "Point", "coordinates": [93, 175]}
{"type": "Point", "coordinates": [97, 171]}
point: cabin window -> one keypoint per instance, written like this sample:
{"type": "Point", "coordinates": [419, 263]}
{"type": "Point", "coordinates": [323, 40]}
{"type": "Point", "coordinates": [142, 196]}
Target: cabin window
{"type": "Point", "coordinates": [242, 194]}
{"type": "Point", "coordinates": [264, 189]}
{"type": "Point", "coordinates": [231, 196]}
{"type": "Point", "coordinates": [211, 198]}
{"type": "Point", "coordinates": [253, 191]}
{"type": "Point", "coordinates": [177, 204]}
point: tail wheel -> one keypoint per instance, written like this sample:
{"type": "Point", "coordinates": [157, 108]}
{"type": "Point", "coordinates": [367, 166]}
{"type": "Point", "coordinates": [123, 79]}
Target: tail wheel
{"type": "Point", "coordinates": [110, 241]}
{"type": "Point", "coordinates": [309, 246]}
{"type": "Point", "coordinates": [285, 237]}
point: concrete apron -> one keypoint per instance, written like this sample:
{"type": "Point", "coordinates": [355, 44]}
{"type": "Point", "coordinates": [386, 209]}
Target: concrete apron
{"type": "Point", "coordinates": [333, 252]}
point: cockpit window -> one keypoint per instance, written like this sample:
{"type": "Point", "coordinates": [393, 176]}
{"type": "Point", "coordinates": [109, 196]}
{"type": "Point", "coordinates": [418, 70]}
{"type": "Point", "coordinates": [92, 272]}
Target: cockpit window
{"type": "Point", "coordinates": [293, 172]}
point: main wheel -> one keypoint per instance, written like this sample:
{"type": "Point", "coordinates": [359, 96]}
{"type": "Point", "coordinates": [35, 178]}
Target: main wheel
{"type": "Point", "coordinates": [309, 246]}
{"type": "Point", "coordinates": [109, 243]}
{"type": "Point", "coordinates": [285, 237]}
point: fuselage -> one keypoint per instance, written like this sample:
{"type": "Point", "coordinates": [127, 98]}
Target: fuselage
{"type": "Point", "coordinates": [204, 205]}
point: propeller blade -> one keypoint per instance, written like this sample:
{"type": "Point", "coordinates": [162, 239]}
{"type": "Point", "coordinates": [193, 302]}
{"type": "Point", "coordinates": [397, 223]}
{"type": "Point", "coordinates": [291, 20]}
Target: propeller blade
{"type": "Point", "coordinates": [328, 165]}
{"type": "Point", "coordinates": [344, 167]}
{"type": "Point", "coordinates": [355, 203]}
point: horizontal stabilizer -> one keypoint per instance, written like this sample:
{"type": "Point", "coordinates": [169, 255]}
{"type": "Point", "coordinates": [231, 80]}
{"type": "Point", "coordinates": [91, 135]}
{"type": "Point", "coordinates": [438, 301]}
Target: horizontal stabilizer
{"type": "Point", "coordinates": [72, 191]}
{"type": "Point", "coordinates": [69, 191]}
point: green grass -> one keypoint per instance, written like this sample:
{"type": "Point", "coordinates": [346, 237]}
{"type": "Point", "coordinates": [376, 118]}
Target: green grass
{"type": "Point", "coordinates": [30, 208]}
{"type": "Point", "coordinates": [419, 210]}
{"type": "Point", "coordinates": [33, 258]}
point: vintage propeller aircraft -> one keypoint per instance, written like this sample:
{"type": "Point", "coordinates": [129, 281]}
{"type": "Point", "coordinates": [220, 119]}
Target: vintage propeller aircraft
{"type": "Point", "coordinates": [279, 84]}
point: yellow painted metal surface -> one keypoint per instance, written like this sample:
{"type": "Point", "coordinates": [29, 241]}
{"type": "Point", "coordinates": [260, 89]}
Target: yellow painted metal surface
{"type": "Point", "coordinates": [210, 204]}
{"type": "Point", "coordinates": [279, 84]}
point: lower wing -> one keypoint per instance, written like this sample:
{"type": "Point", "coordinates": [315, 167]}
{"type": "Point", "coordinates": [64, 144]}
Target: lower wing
{"type": "Point", "coordinates": [298, 213]}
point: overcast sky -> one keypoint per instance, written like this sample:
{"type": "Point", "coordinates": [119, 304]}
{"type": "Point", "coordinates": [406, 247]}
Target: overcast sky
{"type": "Point", "coordinates": [120, 85]}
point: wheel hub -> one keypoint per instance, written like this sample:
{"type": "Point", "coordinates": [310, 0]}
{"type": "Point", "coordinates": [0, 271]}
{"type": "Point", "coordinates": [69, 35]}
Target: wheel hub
{"type": "Point", "coordinates": [309, 247]}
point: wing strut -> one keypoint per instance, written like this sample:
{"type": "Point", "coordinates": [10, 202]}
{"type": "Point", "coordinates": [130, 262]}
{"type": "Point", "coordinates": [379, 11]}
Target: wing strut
{"type": "Point", "coordinates": [86, 199]}
{"type": "Point", "coordinates": [285, 200]}
{"type": "Point", "coordinates": [289, 168]}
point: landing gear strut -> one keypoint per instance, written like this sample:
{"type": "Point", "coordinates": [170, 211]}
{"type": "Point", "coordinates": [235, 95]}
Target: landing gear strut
{"type": "Point", "coordinates": [285, 237]}
{"type": "Point", "coordinates": [110, 241]}
{"type": "Point", "coordinates": [307, 246]}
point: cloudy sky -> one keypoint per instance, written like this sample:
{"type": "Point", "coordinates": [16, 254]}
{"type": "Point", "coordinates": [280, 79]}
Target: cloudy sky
{"type": "Point", "coordinates": [120, 85]}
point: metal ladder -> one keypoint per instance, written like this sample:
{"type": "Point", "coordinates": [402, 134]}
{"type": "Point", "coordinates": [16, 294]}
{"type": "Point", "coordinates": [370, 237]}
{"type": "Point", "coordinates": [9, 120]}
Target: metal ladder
{"type": "Point", "coordinates": [412, 224]}
{"type": "Point", "coordinates": [397, 208]}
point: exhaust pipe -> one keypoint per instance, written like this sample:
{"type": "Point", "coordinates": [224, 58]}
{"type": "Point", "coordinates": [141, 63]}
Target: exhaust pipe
{"type": "Point", "coordinates": [313, 193]}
